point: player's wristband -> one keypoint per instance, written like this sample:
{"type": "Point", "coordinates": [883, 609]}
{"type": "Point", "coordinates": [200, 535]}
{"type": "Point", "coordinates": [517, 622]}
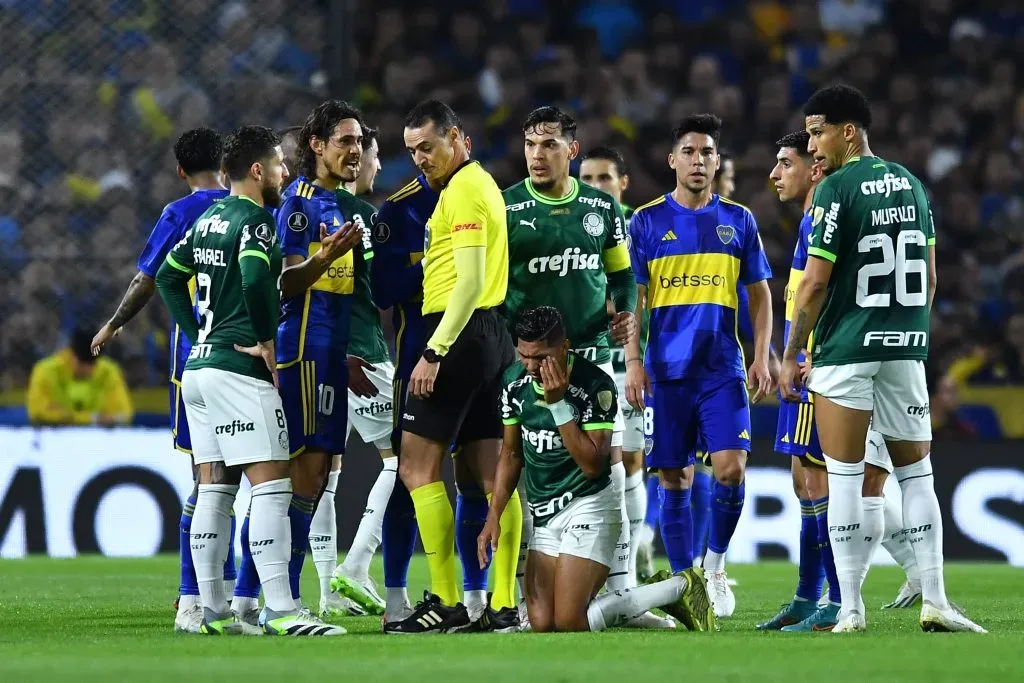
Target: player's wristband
{"type": "Point", "coordinates": [634, 360]}
{"type": "Point", "coordinates": [561, 412]}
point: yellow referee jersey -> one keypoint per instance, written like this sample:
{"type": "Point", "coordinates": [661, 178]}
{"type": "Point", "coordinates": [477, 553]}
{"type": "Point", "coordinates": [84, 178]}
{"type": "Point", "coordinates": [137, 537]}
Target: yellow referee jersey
{"type": "Point", "coordinates": [469, 213]}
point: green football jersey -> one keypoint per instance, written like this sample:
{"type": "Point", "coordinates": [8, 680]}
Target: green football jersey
{"type": "Point", "coordinates": [233, 229]}
{"type": "Point", "coordinates": [560, 251]}
{"type": "Point", "coordinates": [871, 219]}
{"type": "Point", "coordinates": [366, 338]}
{"type": "Point", "coordinates": [553, 479]}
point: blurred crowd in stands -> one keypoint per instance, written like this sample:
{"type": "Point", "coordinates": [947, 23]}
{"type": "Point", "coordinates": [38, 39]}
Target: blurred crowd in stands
{"type": "Point", "coordinates": [93, 92]}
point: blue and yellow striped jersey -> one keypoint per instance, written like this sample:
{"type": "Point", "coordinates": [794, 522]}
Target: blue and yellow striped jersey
{"type": "Point", "coordinates": [396, 279]}
{"type": "Point", "coordinates": [320, 316]}
{"type": "Point", "coordinates": [692, 263]}
{"type": "Point", "coordinates": [176, 218]}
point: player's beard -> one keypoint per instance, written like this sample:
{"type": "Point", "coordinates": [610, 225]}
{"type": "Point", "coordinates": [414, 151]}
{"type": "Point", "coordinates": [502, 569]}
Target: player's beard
{"type": "Point", "coordinates": [271, 195]}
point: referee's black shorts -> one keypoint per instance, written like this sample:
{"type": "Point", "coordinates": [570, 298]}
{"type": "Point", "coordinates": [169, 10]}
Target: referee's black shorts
{"type": "Point", "coordinates": [464, 405]}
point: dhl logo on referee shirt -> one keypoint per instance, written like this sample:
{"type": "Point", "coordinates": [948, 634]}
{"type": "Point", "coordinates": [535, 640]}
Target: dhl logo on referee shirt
{"type": "Point", "coordinates": [693, 279]}
{"type": "Point", "coordinates": [465, 226]}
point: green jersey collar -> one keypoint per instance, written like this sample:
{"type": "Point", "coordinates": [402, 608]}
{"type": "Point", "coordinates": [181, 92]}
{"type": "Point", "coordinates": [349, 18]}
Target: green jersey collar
{"type": "Point", "coordinates": [573, 193]}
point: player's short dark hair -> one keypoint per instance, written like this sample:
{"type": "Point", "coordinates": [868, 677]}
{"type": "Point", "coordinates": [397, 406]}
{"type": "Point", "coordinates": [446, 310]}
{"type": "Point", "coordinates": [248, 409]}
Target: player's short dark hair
{"type": "Point", "coordinates": [290, 130]}
{"type": "Point", "coordinates": [609, 154]}
{"type": "Point", "coordinates": [369, 135]}
{"type": "Point", "coordinates": [798, 140]}
{"type": "Point", "coordinates": [551, 115]}
{"type": "Point", "coordinates": [245, 146]}
{"type": "Point", "coordinates": [80, 344]}
{"type": "Point", "coordinates": [840, 103]}
{"type": "Point", "coordinates": [725, 156]}
{"type": "Point", "coordinates": [705, 124]}
{"type": "Point", "coordinates": [321, 123]}
{"type": "Point", "coordinates": [437, 112]}
{"type": "Point", "coordinates": [198, 150]}
{"type": "Point", "coordinates": [543, 323]}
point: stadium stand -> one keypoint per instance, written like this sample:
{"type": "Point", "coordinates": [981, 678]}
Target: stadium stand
{"type": "Point", "coordinates": [93, 92]}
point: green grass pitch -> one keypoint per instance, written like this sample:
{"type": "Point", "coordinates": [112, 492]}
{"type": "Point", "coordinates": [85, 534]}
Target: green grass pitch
{"type": "Point", "coordinates": [97, 619]}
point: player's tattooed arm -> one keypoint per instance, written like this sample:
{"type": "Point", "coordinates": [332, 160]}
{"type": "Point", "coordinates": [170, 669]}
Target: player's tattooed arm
{"type": "Point", "coordinates": [138, 294]}
{"type": "Point", "coordinates": [810, 296]}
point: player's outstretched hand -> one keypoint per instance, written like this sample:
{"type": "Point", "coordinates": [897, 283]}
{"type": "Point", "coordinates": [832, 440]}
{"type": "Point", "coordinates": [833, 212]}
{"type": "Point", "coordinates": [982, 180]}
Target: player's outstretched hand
{"type": "Point", "coordinates": [487, 541]}
{"type": "Point", "coordinates": [637, 384]}
{"type": "Point", "coordinates": [791, 383]}
{"type": "Point", "coordinates": [421, 382]}
{"type": "Point", "coordinates": [339, 243]}
{"type": "Point", "coordinates": [623, 328]}
{"type": "Point", "coordinates": [264, 350]}
{"type": "Point", "coordinates": [554, 379]}
{"type": "Point", "coordinates": [105, 334]}
{"type": "Point", "coordinates": [358, 382]}
{"type": "Point", "coordinates": [759, 380]}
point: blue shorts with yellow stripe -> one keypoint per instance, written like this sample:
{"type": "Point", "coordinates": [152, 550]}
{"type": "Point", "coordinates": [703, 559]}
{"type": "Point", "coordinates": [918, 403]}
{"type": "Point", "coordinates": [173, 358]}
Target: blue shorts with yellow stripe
{"type": "Point", "coordinates": [796, 434]}
{"type": "Point", "coordinates": [179, 423]}
{"type": "Point", "coordinates": [314, 392]}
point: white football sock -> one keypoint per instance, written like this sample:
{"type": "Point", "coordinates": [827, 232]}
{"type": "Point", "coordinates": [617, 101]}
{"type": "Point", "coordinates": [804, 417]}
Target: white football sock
{"type": "Point", "coordinates": [368, 535]}
{"type": "Point", "coordinates": [241, 605]}
{"type": "Point", "coordinates": [615, 608]}
{"type": "Point", "coordinates": [620, 575]}
{"type": "Point", "coordinates": [323, 535]}
{"type": "Point", "coordinates": [524, 547]}
{"type": "Point", "coordinates": [922, 519]}
{"type": "Point", "coordinates": [270, 540]}
{"type": "Point", "coordinates": [186, 602]}
{"type": "Point", "coordinates": [211, 539]}
{"type": "Point", "coordinates": [636, 508]}
{"type": "Point", "coordinates": [475, 602]}
{"type": "Point", "coordinates": [713, 562]}
{"type": "Point", "coordinates": [874, 529]}
{"type": "Point", "coordinates": [395, 602]}
{"type": "Point", "coordinates": [845, 526]}
{"type": "Point", "coordinates": [894, 540]}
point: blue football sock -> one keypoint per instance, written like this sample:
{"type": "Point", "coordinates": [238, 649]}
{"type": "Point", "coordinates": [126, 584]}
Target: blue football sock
{"type": "Point", "coordinates": [470, 516]}
{"type": "Point", "coordinates": [652, 516]}
{"type": "Point", "coordinates": [398, 536]}
{"type": "Point", "coordinates": [726, 506]}
{"type": "Point", "coordinates": [247, 585]}
{"type": "Point", "coordinates": [230, 571]}
{"type": "Point", "coordinates": [189, 585]}
{"type": "Point", "coordinates": [701, 511]}
{"type": "Point", "coordinates": [677, 528]}
{"type": "Point", "coordinates": [828, 562]}
{"type": "Point", "coordinates": [300, 516]}
{"type": "Point", "coordinates": [810, 572]}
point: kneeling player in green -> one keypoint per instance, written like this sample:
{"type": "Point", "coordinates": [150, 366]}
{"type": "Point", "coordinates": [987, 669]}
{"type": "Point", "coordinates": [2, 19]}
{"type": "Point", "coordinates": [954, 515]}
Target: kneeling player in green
{"type": "Point", "coordinates": [559, 411]}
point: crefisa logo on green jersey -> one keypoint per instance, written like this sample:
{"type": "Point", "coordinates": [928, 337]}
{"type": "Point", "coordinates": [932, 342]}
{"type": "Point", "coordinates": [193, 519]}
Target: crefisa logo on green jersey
{"type": "Point", "coordinates": [543, 440]}
{"type": "Point", "coordinates": [885, 186]}
{"type": "Point", "coordinates": [572, 258]}
{"type": "Point", "coordinates": [831, 222]}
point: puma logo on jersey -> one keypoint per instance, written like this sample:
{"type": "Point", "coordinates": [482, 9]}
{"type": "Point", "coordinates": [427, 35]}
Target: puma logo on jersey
{"type": "Point", "coordinates": [528, 223]}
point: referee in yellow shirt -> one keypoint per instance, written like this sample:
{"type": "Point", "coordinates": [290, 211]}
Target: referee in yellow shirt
{"type": "Point", "coordinates": [455, 387]}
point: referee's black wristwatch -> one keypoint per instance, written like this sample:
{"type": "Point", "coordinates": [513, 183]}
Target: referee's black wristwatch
{"type": "Point", "coordinates": [430, 355]}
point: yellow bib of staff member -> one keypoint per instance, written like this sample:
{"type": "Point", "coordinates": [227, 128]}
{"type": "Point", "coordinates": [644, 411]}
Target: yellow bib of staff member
{"type": "Point", "coordinates": [469, 213]}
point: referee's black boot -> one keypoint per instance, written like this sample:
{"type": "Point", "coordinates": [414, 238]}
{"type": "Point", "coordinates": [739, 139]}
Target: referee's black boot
{"type": "Point", "coordinates": [430, 616]}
